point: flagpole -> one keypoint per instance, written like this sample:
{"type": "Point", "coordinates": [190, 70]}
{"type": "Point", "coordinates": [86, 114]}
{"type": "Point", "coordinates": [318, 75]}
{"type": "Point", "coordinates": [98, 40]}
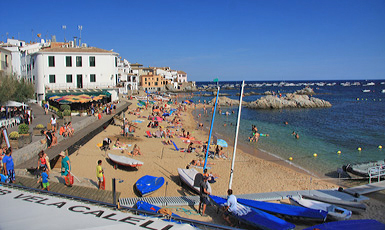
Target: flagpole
{"type": "Point", "coordinates": [236, 136]}
{"type": "Point", "coordinates": [211, 129]}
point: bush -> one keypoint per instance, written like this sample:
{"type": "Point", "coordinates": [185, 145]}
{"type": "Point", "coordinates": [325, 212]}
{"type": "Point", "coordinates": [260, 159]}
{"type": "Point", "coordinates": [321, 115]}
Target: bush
{"type": "Point", "coordinates": [14, 135]}
{"type": "Point", "coordinates": [23, 129]}
{"type": "Point", "coordinates": [60, 114]}
{"type": "Point", "coordinates": [67, 112]}
{"type": "Point", "coordinates": [65, 107]}
{"type": "Point", "coordinates": [54, 109]}
{"type": "Point", "coordinates": [40, 126]}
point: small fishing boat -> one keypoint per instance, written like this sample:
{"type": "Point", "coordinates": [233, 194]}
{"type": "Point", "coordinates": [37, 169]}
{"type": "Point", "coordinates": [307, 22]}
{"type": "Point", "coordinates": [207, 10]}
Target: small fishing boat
{"type": "Point", "coordinates": [334, 212]}
{"type": "Point", "coordinates": [148, 184]}
{"type": "Point", "coordinates": [350, 205]}
{"type": "Point", "coordinates": [366, 90]}
{"type": "Point", "coordinates": [192, 178]}
{"type": "Point", "coordinates": [255, 217]}
{"type": "Point", "coordinates": [125, 161]}
{"type": "Point", "coordinates": [362, 169]}
{"type": "Point", "coordinates": [286, 209]}
{"type": "Point", "coordinates": [350, 225]}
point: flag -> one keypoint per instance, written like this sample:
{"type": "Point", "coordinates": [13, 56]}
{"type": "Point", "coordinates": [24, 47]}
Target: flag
{"type": "Point", "coordinates": [39, 35]}
{"type": "Point", "coordinates": [215, 80]}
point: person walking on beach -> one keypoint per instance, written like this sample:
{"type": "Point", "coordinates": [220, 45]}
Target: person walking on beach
{"type": "Point", "coordinates": [230, 206]}
{"type": "Point", "coordinates": [53, 123]}
{"type": "Point", "coordinates": [8, 166]}
{"type": "Point", "coordinates": [65, 166]}
{"type": "Point", "coordinates": [99, 174]}
{"type": "Point", "coordinates": [203, 195]}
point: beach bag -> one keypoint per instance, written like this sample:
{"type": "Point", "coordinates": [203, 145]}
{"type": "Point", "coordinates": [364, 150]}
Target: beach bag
{"type": "Point", "coordinates": [69, 179]}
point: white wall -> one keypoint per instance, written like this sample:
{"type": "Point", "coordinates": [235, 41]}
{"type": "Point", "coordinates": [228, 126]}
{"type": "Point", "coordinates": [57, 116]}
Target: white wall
{"type": "Point", "coordinates": [104, 70]}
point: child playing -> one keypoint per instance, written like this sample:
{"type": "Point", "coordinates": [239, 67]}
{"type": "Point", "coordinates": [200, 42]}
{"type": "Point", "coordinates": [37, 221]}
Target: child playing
{"type": "Point", "coordinates": [44, 179]}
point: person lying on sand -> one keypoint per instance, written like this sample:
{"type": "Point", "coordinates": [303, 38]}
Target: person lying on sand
{"type": "Point", "coordinates": [118, 144]}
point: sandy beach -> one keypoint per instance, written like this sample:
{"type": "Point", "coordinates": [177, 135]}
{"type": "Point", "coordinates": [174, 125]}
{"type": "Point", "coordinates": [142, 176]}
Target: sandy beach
{"type": "Point", "coordinates": [251, 175]}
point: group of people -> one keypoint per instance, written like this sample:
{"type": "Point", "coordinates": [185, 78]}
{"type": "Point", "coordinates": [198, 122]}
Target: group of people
{"type": "Point", "coordinates": [255, 134]}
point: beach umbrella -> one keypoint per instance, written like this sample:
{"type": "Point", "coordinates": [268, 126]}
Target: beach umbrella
{"type": "Point", "coordinates": [157, 118]}
{"type": "Point", "coordinates": [142, 102]}
{"type": "Point", "coordinates": [156, 110]}
{"type": "Point", "coordinates": [222, 143]}
{"type": "Point", "coordinates": [166, 114]}
{"type": "Point", "coordinates": [169, 102]}
{"type": "Point", "coordinates": [140, 105]}
{"type": "Point", "coordinates": [151, 102]}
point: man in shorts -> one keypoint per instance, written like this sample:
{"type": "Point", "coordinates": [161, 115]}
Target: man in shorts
{"type": "Point", "coordinates": [99, 173]}
{"type": "Point", "coordinates": [204, 196]}
{"type": "Point", "coordinates": [230, 206]}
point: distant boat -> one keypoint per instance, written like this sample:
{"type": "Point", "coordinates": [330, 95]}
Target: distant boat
{"type": "Point", "coordinates": [383, 91]}
{"type": "Point", "coordinates": [125, 161]}
{"type": "Point", "coordinates": [148, 184]}
{"type": "Point", "coordinates": [350, 225]}
{"type": "Point", "coordinates": [286, 209]}
{"type": "Point", "coordinates": [366, 90]}
{"type": "Point", "coordinates": [362, 169]}
{"type": "Point", "coordinates": [255, 217]}
{"type": "Point", "coordinates": [370, 84]}
{"type": "Point", "coordinates": [335, 212]}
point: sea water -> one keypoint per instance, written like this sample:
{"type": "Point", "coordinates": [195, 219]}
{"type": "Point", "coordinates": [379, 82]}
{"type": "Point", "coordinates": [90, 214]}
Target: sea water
{"type": "Point", "coordinates": [355, 120]}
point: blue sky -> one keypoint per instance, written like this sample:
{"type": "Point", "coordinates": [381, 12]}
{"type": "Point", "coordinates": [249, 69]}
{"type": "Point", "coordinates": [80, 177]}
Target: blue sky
{"type": "Point", "coordinates": [231, 40]}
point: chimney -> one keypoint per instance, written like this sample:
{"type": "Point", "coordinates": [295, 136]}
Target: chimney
{"type": "Point", "coordinates": [53, 38]}
{"type": "Point", "coordinates": [76, 45]}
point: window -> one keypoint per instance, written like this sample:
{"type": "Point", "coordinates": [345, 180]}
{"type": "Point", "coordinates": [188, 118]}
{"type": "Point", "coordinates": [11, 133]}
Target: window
{"type": "Point", "coordinates": [92, 78]}
{"type": "Point", "coordinates": [69, 78]}
{"type": "Point", "coordinates": [52, 79]}
{"type": "Point", "coordinates": [92, 61]}
{"type": "Point", "coordinates": [116, 62]}
{"type": "Point", "coordinates": [78, 61]}
{"type": "Point", "coordinates": [156, 83]}
{"type": "Point", "coordinates": [51, 61]}
{"type": "Point", "coordinates": [68, 61]}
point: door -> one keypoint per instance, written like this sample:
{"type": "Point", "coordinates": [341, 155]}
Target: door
{"type": "Point", "coordinates": [79, 81]}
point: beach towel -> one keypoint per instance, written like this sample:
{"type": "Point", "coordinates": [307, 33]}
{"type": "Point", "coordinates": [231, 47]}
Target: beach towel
{"type": "Point", "coordinates": [200, 167]}
{"type": "Point", "coordinates": [137, 121]}
{"type": "Point", "coordinates": [99, 145]}
{"type": "Point", "coordinates": [121, 148]}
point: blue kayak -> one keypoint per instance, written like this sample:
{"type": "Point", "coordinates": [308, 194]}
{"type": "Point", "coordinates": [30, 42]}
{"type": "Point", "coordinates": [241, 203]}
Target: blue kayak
{"type": "Point", "coordinates": [350, 225]}
{"type": "Point", "coordinates": [148, 184]}
{"type": "Point", "coordinates": [255, 217]}
{"type": "Point", "coordinates": [285, 209]}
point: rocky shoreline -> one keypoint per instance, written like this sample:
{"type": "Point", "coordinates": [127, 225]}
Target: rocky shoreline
{"type": "Point", "coordinates": [290, 100]}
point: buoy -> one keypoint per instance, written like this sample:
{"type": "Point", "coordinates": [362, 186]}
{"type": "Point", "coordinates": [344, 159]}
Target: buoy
{"type": "Point", "coordinates": [380, 146]}
{"type": "Point", "coordinates": [315, 154]}
{"type": "Point", "coordinates": [359, 149]}
{"type": "Point", "coordinates": [339, 152]}
{"type": "Point", "coordinates": [290, 158]}
{"type": "Point", "coordinates": [358, 99]}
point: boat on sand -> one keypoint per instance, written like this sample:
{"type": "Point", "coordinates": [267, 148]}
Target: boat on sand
{"type": "Point", "coordinates": [125, 161]}
{"type": "Point", "coordinates": [333, 211]}
{"type": "Point", "coordinates": [148, 184]}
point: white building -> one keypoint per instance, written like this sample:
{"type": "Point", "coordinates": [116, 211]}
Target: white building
{"type": "Point", "coordinates": [20, 52]}
{"type": "Point", "coordinates": [126, 78]}
{"type": "Point", "coordinates": [5, 61]}
{"type": "Point", "coordinates": [181, 77]}
{"type": "Point", "coordinates": [61, 68]}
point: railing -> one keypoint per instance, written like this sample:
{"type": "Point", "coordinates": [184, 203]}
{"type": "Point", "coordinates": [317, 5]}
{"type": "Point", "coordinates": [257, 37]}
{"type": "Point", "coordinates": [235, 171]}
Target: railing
{"type": "Point", "coordinates": [376, 172]}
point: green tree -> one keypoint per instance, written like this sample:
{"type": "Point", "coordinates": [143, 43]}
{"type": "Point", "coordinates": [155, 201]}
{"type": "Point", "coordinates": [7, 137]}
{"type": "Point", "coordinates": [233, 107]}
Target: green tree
{"type": "Point", "coordinates": [13, 89]}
